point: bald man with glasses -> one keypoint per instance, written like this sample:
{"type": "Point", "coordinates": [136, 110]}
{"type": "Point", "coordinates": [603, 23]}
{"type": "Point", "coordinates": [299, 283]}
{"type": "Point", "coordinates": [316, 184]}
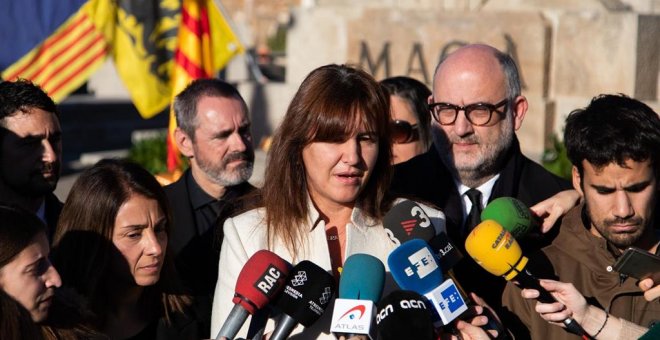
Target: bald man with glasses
{"type": "Point", "coordinates": [476, 108]}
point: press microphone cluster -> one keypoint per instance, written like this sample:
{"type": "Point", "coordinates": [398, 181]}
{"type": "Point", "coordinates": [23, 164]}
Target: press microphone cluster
{"type": "Point", "coordinates": [407, 221]}
{"type": "Point", "coordinates": [360, 287]}
{"type": "Point", "coordinates": [414, 267]}
{"type": "Point", "coordinates": [260, 280]}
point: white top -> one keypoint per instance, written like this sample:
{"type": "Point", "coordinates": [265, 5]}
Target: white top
{"type": "Point", "coordinates": [486, 189]}
{"type": "Point", "coordinates": [245, 234]}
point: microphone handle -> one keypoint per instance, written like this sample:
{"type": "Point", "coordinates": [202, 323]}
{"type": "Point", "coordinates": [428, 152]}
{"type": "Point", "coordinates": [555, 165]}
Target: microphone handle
{"type": "Point", "coordinates": [527, 280]}
{"type": "Point", "coordinates": [234, 322]}
{"type": "Point", "coordinates": [284, 328]}
{"type": "Point", "coordinates": [492, 324]}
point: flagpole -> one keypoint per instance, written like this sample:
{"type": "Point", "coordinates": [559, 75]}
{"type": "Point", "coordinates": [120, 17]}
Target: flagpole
{"type": "Point", "coordinates": [252, 65]}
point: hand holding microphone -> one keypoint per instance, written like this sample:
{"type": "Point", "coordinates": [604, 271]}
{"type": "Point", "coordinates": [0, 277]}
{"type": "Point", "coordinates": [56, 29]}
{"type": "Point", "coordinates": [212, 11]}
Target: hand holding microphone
{"type": "Point", "coordinates": [261, 279]}
{"type": "Point", "coordinates": [496, 250]}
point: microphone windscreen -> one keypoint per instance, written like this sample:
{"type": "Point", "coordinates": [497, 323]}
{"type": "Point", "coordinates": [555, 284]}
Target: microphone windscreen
{"type": "Point", "coordinates": [407, 220]}
{"type": "Point", "coordinates": [362, 278]}
{"type": "Point", "coordinates": [448, 254]}
{"type": "Point", "coordinates": [495, 249]}
{"type": "Point", "coordinates": [404, 315]}
{"type": "Point", "coordinates": [512, 214]}
{"type": "Point", "coordinates": [261, 278]}
{"type": "Point", "coordinates": [414, 267]}
{"type": "Point", "coordinates": [307, 293]}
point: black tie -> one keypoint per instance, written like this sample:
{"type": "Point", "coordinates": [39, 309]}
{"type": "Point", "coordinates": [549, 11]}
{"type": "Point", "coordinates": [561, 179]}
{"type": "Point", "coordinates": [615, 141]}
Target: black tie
{"type": "Point", "coordinates": [474, 217]}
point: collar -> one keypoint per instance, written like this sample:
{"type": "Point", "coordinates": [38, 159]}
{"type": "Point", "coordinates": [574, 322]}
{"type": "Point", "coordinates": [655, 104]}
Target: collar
{"type": "Point", "coordinates": [41, 212]}
{"type": "Point", "coordinates": [486, 190]}
{"type": "Point", "coordinates": [358, 218]}
{"type": "Point", "coordinates": [198, 197]}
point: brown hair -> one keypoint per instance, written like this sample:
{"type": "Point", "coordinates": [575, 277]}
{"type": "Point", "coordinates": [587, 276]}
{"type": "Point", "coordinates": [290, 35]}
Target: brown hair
{"type": "Point", "coordinates": [82, 244]}
{"type": "Point", "coordinates": [17, 231]}
{"type": "Point", "coordinates": [331, 104]}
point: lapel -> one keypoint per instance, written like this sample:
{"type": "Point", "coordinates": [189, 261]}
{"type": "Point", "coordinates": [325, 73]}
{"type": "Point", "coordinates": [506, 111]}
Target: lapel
{"type": "Point", "coordinates": [184, 226]}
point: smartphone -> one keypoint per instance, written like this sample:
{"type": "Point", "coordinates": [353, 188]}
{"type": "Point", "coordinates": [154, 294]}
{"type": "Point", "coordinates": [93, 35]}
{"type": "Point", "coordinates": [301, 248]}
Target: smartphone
{"type": "Point", "coordinates": [637, 263]}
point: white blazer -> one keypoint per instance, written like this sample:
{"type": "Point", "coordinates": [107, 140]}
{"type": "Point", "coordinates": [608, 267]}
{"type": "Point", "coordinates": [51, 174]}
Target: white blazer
{"type": "Point", "coordinates": [245, 234]}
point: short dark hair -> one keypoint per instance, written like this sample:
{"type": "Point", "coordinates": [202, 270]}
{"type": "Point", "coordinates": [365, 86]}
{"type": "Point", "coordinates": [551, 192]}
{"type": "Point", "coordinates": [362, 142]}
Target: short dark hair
{"type": "Point", "coordinates": [613, 129]}
{"type": "Point", "coordinates": [21, 95]}
{"type": "Point", "coordinates": [185, 103]}
{"type": "Point", "coordinates": [415, 93]}
{"type": "Point", "coordinates": [17, 230]}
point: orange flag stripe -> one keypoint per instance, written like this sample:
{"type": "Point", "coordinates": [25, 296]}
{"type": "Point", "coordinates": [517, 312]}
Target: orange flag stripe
{"type": "Point", "coordinates": [20, 67]}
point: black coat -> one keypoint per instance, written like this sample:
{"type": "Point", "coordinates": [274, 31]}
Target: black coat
{"type": "Point", "coordinates": [52, 209]}
{"type": "Point", "coordinates": [426, 178]}
{"type": "Point", "coordinates": [196, 256]}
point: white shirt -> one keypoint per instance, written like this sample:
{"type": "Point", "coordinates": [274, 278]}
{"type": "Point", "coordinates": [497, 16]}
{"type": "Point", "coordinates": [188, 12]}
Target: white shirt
{"type": "Point", "coordinates": [486, 190]}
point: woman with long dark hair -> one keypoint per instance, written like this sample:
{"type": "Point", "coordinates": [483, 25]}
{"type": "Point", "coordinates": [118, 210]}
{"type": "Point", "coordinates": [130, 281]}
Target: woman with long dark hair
{"type": "Point", "coordinates": [324, 193]}
{"type": "Point", "coordinates": [111, 247]}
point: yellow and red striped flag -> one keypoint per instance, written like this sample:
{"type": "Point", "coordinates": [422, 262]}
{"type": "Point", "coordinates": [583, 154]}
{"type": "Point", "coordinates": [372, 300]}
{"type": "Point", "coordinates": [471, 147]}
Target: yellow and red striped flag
{"type": "Point", "coordinates": [206, 43]}
{"type": "Point", "coordinates": [67, 57]}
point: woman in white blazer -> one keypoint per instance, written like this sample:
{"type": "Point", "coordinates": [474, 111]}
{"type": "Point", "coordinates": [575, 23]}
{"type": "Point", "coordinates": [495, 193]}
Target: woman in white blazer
{"type": "Point", "coordinates": [324, 194]}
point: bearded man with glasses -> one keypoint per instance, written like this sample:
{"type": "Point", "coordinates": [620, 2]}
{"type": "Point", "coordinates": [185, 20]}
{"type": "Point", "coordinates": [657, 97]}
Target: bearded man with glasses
{"type": "Point", "coordinates": [476, 108]}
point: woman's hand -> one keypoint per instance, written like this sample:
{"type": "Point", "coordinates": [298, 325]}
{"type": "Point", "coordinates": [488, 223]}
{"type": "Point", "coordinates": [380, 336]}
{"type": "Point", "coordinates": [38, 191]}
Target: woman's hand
{"type": "Point", "coordinates": [553, 208]}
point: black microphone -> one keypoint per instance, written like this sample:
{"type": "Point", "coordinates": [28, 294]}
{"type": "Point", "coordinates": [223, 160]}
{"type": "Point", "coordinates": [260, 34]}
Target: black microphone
{"type": "Point", "coordinates": [307, 292]}
{"type": "Point", "coordinates": [407, 220]}
{"type": "Point", "coordinates": [404, 314]}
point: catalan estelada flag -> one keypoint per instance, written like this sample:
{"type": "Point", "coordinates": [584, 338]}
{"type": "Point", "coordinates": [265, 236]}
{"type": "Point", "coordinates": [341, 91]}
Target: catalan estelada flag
{"type": "Point", "coordinates": [55, 44]}
{"type": "Point", "coordinates": [205, 45]}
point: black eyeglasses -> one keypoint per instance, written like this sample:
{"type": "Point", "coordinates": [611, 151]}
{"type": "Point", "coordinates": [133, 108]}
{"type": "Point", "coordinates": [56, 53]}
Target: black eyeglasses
{"type": "Point", "coordinates": [403, 132]}
{"type": "Point", "coordinates": [477, 114]}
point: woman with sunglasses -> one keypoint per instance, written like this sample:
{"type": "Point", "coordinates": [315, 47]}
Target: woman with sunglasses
{"type": "Point", "coordinates": [410, 124]}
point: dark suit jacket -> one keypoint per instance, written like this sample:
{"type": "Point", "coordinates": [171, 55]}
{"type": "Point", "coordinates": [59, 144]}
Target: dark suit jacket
{"type": "Point", "coordinates": [53, 209]}
{"type": "Point", "coordinates": [426, 178]}
{"type": "Point", "coordinates": [196, 256]}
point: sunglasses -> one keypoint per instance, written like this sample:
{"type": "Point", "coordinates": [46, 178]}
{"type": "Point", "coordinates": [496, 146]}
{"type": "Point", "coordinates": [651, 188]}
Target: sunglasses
{"type": "Point", "coordinates": [403, 132]}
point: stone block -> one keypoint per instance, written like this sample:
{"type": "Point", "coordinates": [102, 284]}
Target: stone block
{"type": "Point", "coordinates": [532, 133]}
{"type": "Point", "coordinates": [595, 53]}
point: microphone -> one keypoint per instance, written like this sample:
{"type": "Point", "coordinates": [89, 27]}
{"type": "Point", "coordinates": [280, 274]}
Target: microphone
{"type": "Point", "coordinates": [497, 251]}
{"type": "Point", "coordinates": [360, 287]}
{"type": "Point", "coordinates": [414, 267]}
{"type": "Point", "coordinates": [404, 315]}
{"type": "Point", "coordinates": [261, 278]}
{"type": "Point", "coordinates": [407, 220]}
{"type": "Point", "coordinates": [512, 214]}
{"type": "Point", "coordinates": [307, 293]}
{"type": "Point", "coordinates": [398, 222]}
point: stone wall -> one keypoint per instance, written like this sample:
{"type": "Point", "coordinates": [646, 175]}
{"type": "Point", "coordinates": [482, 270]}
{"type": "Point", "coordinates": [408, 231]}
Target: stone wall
{"type": "Point", "coordinates": [567, 51]}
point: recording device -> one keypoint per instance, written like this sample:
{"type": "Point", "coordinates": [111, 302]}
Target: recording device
{"type": "Point", "coordinates": [497, 251]}
{"type": "Point", "coordinates": [414, 267]}
{"type": "Point", "coordinates": [637, 263]}
{"type": "Point", "coordinates": [306, 294]}
{"type": "Point", "coordinates": [512, 214]}
{"type": "Point", "coordinates": [360, 287]}
{"type": "Point", "coordinates": [260, 280]}
{"type": "Point", "coordinates": [404, 314]}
